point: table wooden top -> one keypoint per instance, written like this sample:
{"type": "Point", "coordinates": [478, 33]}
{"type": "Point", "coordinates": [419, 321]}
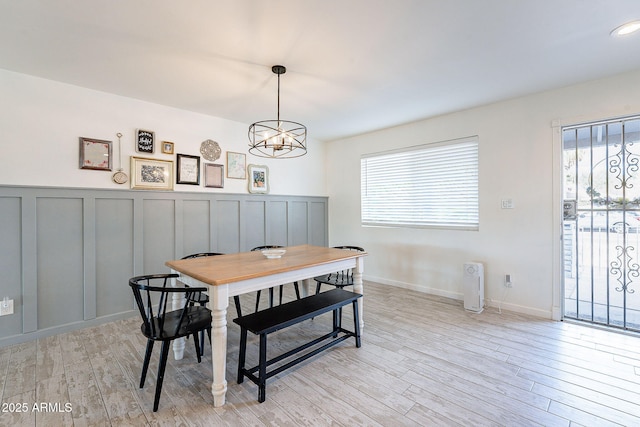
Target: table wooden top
{"type": "Point", "coordinates": [229, 268]}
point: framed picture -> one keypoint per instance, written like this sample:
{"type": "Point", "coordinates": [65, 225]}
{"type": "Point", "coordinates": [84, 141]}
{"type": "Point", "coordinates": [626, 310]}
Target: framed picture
{"type": "Point", "coordinates": [144, 141]}
{"type": "Point", "coordinates": [167, 147]}
{"type": "Point", "coordinates": [151, 174]}
{"type": "Point", "coordinates": [188, 169]}
{"type": "Point", "coordinates": [213, 175]}
{"type": "Point", "coordinates": [258, 179]}
{"type": "Point", "coordinates": [95, 154]}
{"type": "Point", "coordinates": [236, 165]}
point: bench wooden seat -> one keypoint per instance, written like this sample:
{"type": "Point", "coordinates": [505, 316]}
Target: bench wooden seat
{"type": "Point", "coordinates": [272, 319]}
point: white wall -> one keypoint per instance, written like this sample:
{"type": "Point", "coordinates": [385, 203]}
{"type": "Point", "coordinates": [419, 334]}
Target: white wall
{"type": "Point", "coordinates": [517, 158]}
{"type": "Point", "coordinates": [41, 121]}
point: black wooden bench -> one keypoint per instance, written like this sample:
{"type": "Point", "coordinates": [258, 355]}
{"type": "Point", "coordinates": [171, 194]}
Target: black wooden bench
{"type": "Point", "coordinates": [272, 319]}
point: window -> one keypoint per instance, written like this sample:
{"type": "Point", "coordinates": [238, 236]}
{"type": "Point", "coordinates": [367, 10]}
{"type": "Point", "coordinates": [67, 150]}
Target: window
{"type": "Point", "coordinates": [432, 185]}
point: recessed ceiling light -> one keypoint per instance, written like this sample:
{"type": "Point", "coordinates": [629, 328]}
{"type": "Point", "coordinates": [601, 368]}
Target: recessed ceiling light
{"type": "Point", "coordinates": [625, 29]}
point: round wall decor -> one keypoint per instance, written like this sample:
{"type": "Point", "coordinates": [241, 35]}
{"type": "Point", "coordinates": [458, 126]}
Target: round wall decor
{"type": "Point", "coordinates": [210, 150]}
{"type": "Point", "coordinates": [120, 177]}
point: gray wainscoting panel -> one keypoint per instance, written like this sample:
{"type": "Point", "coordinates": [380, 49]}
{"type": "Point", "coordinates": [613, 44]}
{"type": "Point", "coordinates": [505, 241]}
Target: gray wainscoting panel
{"type": "Point", "coordinates": [317, 223]}
{"type": "Point", "coordinates": [299, 223]}
{"type": "Point", "coordinates": [66, 254]}
{"type": "Point", "coordinates": [59, 261]}
{"type": "Point", "coordinates": [255, 223]}
{"type": "Point", "coordinates": [277, 231]}
{"type": "Point", "coordinates": [10, 261]}
{"type": "Point", "coordinates": [159, 235]}
{"type": "Point", "coordinates": [196, 227]}
{"type": "Point", "coordinates": [114, 255]}
{"type": "Point", "coordinates": [227, 220]}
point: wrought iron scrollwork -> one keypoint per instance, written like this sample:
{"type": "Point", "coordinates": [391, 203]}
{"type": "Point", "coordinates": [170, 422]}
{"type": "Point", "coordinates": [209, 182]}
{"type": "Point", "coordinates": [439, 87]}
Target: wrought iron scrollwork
{"type": "Point", "coordinates": [624, 269]}
{"type": "Point", "coordinates": [631, 164]}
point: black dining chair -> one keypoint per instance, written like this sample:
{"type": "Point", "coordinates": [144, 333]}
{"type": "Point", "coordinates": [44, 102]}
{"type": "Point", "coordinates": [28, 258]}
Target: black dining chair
{"type": "Point", "coordinates": [339, 279]}
{"type": "Point", "coordinates": [160, 323]}
{"type": "Point", "coordinates": [204, 298]}
{"type": "Point", "coordinates": [295, 284]}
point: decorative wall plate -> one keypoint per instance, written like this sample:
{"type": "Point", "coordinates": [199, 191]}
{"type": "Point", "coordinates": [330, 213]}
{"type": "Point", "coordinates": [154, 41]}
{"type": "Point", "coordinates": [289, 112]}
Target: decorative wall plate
{"type": "Point", "coordinates": [210, 150]}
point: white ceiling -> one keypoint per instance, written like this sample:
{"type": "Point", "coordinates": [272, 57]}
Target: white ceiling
{"type": "Point", "coordinates": [353, 66]}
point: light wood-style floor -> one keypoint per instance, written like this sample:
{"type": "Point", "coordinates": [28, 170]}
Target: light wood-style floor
{"type": "Point", "coordinates": [424, 361]}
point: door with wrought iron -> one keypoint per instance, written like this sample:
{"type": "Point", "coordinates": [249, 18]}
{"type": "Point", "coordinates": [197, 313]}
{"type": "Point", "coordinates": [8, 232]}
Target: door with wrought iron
{"type": "Point", "coordinates": [601, 236]}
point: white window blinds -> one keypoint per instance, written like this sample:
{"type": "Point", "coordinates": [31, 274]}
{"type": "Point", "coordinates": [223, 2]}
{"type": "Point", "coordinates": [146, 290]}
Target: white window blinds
{"type": "Point", "coordinates": [432, 185]}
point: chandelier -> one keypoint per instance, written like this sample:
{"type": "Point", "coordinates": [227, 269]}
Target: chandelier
{"type": "Point", "coordinates": [278, 138]}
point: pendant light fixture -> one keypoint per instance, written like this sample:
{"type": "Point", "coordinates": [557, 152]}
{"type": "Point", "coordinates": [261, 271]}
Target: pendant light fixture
{"type": "Point", "coordinates": [278, 139]}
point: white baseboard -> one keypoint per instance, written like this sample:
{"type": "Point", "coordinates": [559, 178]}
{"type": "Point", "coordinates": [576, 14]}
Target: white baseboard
{"type": "Point", "coordinates": [43, 333]}
{"type": "Point", "coordinates": [416, 287]}
{"type": "Point", "coordinates": [546, 314]}
{"type": "Point", "coordinates": [518, 309]}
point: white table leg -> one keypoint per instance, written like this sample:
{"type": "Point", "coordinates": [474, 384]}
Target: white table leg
{"type": "Point", "coordinates": [177, 302]}
{"type": "Point", "coordinates": [218, 303]}
{"type": "Point", "coordinates": [306, 288]}
{"type": "Point", "coordinates": [359, 288]}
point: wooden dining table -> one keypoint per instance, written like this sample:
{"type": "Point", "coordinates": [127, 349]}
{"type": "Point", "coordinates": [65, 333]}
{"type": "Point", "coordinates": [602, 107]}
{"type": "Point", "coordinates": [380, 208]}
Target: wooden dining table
{"type": "Point", "coordinates": [239, 273]}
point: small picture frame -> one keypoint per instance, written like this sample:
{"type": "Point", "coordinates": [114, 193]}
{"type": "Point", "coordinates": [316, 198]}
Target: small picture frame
{"type": "Point", "coordinates": [144, 141]}
{"type": "Point", "coordinates": [151, 174]}
{"type": "Point", "coordinates": [188, 169]}
{"type": "Point", "coordinates": [258, 179]}
{"type": "Point", "coordinates": [236, 165]}
{"type": "Point", "coordinates": [213, 175]}
{"type": "Point", "coordinates": [167, 147]}
{"type": "Point", "coordinates": [95, 154]}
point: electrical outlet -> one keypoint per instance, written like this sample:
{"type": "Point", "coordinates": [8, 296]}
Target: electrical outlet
{"type": "Point", "coordinates": [507, 281]}
{"type": "Point", "coordinates": [6, 307]}
{"type": "Point", "coordinates": [506, 203]}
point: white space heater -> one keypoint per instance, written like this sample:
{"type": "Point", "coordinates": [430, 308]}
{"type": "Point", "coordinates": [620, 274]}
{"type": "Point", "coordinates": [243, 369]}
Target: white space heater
{"type": "Point", "coordinates": [473, 286]}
